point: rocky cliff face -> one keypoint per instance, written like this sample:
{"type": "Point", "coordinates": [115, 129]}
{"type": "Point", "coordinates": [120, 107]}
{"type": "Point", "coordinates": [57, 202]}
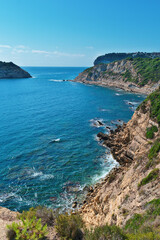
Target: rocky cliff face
{"type": "Point", "coordinates": [121, 74]}
{"type": "Point", "coordinates": [6, 218]}
{"type": "Point", "coordinates": [10, 70]}
{"type": "Point", "coordinates": [127, 189]}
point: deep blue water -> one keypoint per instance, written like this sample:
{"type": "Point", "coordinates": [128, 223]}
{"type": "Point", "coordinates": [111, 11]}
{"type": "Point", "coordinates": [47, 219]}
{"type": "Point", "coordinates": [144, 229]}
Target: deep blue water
{"type": "Point", "coordinates": [48, 147]}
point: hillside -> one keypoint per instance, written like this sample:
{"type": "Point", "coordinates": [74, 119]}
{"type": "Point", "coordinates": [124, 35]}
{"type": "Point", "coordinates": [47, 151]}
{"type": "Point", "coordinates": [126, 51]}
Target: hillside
{"type": "Point", "coordinates": [11, 70]}
{"type": "Point", "coordinates": [141, 75]}
{"type": "Point", "coordinates": [111, 57]}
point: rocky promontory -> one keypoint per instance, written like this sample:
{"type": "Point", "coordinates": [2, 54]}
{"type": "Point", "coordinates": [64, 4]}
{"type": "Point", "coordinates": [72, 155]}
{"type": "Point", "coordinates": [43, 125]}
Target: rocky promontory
{"type": "Point", "coordinates": [11, 70]}
{"type": "Point", "coordinates": [140, 75]}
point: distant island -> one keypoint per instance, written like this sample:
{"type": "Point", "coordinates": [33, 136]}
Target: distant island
{"type": "Point", "coordinates": [111, 57]}
{"type": "Point", "coordinates": [11, 70]}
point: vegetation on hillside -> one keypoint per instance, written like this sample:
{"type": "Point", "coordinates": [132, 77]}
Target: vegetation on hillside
{"type": "Point", "coordinates": [70, 226]}
{"type": "Point", "coordinates": [32, 224]}
{"type": "Point", "coordinates": [153, 175]}
{"type": "Point", "coordinates": [150, 132]}
{"type": "Point", "coordinates": [154, 99]}
{"type": "Point", "coordinates": [148, 69]}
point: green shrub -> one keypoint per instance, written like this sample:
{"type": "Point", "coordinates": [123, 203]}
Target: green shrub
{"type": "Point", "coordinates": [69, 226]}
{"type": "Point", "coordinates": [155, 105]}
{"type": "Point", "coordinates": [150, 132]}
{"type": "Point", "coordinates": [106, 233]}
{"type": "Point", "coordinates": [46, 215]}
{"type": "Point", "coordinates": [144, 236]}
{"type": "Point", "coordinates": [144, 226]}
{"type": "Point", "coordinates": [154, 149]}
{"type": "Point", "coordinates": [127, 76]}
{"type": "Point", "coordinates": [154, 207]}
{"type": "Point", "coordinates": [31, 229]}
{"type": "Point", "coordinates": [134, 223]}
{"type": "Point", "coordinates": [150, 177]}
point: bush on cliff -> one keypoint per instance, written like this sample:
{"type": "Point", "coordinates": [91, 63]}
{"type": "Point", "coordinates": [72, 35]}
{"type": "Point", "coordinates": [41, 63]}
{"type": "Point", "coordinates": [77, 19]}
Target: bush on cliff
{"type": "Point", "coordinates": [145, 226]}
{"type": "Point", "coordinates": [153, 152]}
{"type": "Point", "coordinates": [150, 177]}
{"type": "Point", "coordinates": [46, 215]}
{"type": "Point", "coordinates": [106, 233]}
{"type": "Point", "coordinates": [150, 132]}
{"type": "Point", "coordinates": [33, 224]}
{"type": "Point", "coordinates": [31, 229]}
{"type": "Point", "coordinates": [69, 226]}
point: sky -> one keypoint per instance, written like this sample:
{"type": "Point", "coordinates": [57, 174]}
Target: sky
{"type": "Point", "coordinates": [75, 32]}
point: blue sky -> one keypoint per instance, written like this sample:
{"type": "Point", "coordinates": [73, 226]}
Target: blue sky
{"type": "Point", "coordinates": [75, 32]}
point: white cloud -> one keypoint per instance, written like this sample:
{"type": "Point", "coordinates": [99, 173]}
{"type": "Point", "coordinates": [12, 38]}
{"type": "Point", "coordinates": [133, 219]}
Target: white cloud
{"type": "Point", "coordinates": [5, 46]}
{"type": "Point", "coordinates": [40, 51]}
{"type": "Point", "coordinates": [57, 53]}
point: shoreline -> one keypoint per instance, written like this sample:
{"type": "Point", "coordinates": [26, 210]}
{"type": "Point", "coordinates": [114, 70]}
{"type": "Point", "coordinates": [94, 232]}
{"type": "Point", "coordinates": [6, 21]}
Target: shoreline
{"type": "Point", "coordinates": [143, 91]}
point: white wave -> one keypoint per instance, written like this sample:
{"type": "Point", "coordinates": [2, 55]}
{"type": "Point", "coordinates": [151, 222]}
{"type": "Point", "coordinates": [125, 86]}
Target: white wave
{"type": "Point", "coordinates": [55, 140]}
{"type": "Point", "coordinates": [33, 173]}
{"type": "Point", "coordinates": [96, 138]}
{"type": "Point", "coordinates": [103, 110]}
{"type": "Point", "coordinates": [97, 123]}
{"type": "Point", "coordinates": [6, 196]}
{"type": "Point", "coordinates": [55, 80]}
{"type": "Point", "coordinates": [118, 94]}
{"type": "Point", "coordinates": [36, 174]}
{"type": "Point", "coordinates": [46, 176]}
{"type": "Point", "coordinates": [131, 103]}
{"type": "Point", "coordinates": [111, 163]}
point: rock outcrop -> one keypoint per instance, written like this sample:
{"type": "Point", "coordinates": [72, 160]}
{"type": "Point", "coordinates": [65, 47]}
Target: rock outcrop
{"type": "Point", "coordinates": [6, 218]}
{"type": "Point", "coordinates": [10, 70]}
{"type": "Point", "coordinates": [119, 195]}
{"type": "Point", "coordinates": [122, 74]}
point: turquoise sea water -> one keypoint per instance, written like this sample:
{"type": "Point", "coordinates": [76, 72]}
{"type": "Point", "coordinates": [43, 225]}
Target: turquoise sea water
{"type": "Point", "coordinates": [48, 145]}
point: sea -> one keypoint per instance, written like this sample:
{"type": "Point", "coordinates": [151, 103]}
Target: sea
{"type": "Point", "coordinates": [49, 150]}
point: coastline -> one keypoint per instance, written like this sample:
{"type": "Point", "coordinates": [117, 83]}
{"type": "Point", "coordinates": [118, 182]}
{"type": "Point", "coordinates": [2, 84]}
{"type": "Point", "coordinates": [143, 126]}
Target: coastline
{"type": "Point", "coordinates": [117, 197]}
{"type": "Point", "coordinates": [121, 85]}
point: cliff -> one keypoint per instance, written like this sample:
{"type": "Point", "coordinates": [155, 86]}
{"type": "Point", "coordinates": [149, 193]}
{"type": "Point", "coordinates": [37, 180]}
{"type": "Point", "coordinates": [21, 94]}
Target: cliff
{"type": "Point", "coordinates": [10, 70]}
{"type": "Point", "coordinates": [128, 188]}
{"type": "Point", "coordinates": [111, 57]}
{"type": "Point", "coordinates": [141, 75]}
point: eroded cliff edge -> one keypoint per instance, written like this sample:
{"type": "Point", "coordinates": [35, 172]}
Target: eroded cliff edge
{"type": "Point", "coordinates": [127, 189]}
{"type": "Point", "coordinates": [11, 70]}
{"type": "Point", "coordinates": [141, 75]}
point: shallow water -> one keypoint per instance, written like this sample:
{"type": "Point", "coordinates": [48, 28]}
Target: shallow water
{"type": "Point", "coordinates": [48, 145]}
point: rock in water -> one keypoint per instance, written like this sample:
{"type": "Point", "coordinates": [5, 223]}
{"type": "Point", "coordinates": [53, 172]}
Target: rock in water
{"type": "Point", "coordinates": [102, 136]}
{"type": "Point", "coordinates": [11, 70]}
{"type": "Point", "coordinates": [74, 205]}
